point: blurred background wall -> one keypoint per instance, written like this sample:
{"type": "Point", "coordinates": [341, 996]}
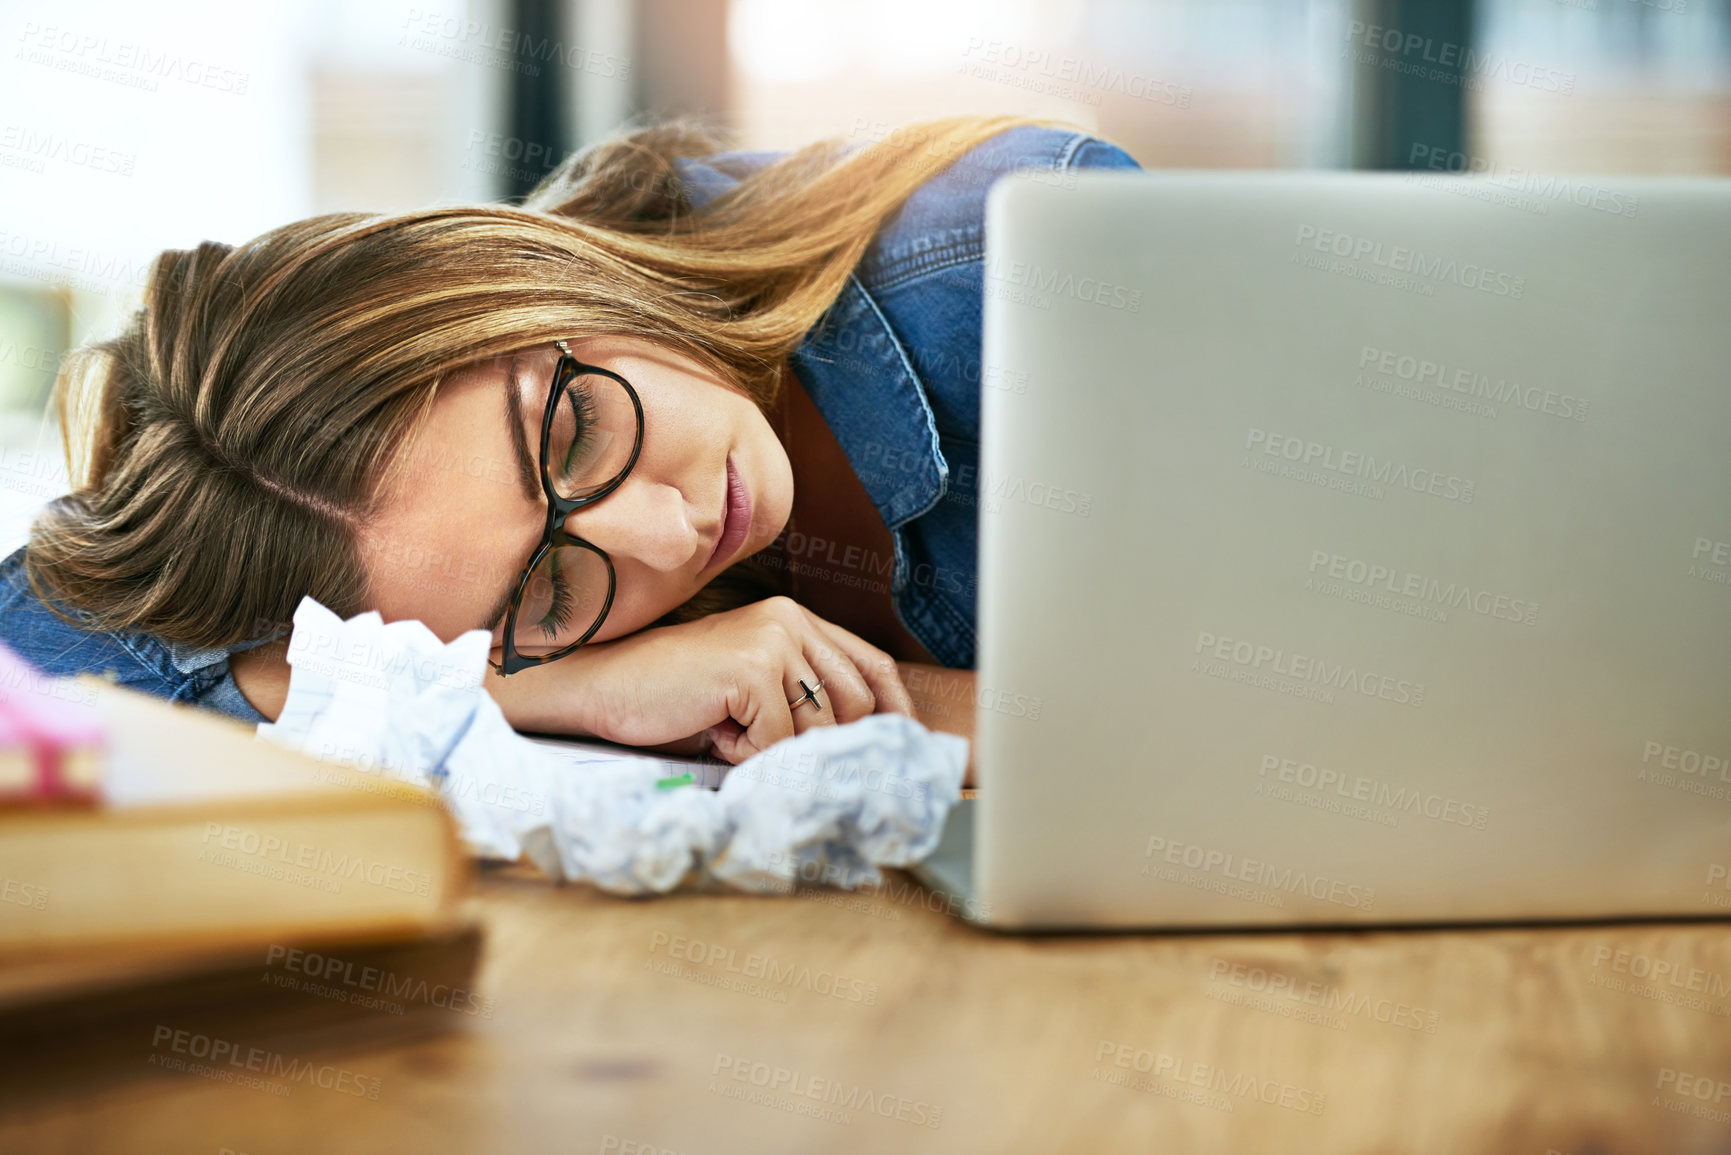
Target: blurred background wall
{"type": "Point", "coordinates": [126, 128]}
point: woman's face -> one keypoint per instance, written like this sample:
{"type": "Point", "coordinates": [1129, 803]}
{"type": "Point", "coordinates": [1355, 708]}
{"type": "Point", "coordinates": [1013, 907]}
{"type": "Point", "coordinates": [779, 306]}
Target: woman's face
{"type": "Point", "coordinates": [460, 521]}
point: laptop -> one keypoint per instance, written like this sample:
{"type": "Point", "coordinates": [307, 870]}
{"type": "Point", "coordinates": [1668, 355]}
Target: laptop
{"type": "Point", "coordinates": [1353, 549]}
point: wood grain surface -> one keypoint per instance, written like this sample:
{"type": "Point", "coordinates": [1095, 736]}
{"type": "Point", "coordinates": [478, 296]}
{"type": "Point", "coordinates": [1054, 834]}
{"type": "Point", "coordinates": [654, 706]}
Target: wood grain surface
{"type": "Point", "coordinates": [710, 1024]}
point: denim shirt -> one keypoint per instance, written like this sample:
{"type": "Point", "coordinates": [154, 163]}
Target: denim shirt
{"type": "Point", "coordinates": [893, 367]}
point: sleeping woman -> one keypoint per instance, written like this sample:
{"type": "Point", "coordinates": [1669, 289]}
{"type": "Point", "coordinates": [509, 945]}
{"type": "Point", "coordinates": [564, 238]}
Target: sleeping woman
{"type": "Point", "coordinates": [692, 435]}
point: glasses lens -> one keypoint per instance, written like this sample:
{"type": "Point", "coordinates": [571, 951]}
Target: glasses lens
{"type": "Point", "coordinates": [566, 594]}
{"type": "Point", "coordinates": [593, 432]}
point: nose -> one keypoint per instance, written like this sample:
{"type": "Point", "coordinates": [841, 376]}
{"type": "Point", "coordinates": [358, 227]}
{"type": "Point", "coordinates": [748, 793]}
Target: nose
{"type": "Point", "coordinates": [643, 520]}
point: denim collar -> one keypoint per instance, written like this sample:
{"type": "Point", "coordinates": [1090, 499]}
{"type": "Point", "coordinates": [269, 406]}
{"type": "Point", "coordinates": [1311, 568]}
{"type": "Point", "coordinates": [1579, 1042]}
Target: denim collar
{"type": "Point", "coordinates": [191, 659]}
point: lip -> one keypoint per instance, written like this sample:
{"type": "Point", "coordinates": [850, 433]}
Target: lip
{"type": "Point", "coordinates": [736, 518]}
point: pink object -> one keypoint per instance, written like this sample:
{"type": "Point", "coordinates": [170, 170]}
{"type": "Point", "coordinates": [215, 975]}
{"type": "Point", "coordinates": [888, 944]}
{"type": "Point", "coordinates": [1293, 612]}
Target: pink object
{"type": "Point", "coordinates": [52, 746]}
{"type": "Point", "coordinates": [19, 770]}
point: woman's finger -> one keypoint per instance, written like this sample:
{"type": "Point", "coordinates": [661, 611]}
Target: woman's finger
{"type": "Point", "coordinates": [876, 668]}
{"type": "Point", "coordinates": [774, 672]}
{"type": "Point", "coordinates": [845, 690]}
{"type": "Point", "coordinates": [808, 710]}
{"type": "Point", "coordinates": [759, 704]}
{"type": "Point", "coordinates": [726, 740]}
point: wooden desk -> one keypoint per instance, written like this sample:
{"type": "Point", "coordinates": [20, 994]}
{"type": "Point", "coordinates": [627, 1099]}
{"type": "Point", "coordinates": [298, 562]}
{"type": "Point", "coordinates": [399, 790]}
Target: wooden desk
{"type": "Point", "coordinates": [1476, 1042]}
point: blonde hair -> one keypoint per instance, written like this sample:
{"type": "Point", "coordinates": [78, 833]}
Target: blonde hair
{"type": "Point", "coordinates": [227, 446]}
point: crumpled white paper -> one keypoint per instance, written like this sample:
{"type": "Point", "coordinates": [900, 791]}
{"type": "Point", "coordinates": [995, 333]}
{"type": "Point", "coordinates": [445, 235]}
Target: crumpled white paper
{"type": "Point", "coordinates": [834, 803]}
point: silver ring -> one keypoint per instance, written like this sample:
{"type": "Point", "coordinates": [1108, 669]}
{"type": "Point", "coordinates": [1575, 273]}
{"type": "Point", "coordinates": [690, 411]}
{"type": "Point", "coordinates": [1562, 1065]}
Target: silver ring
{"type": "Point", "coordinates": [810, 695]}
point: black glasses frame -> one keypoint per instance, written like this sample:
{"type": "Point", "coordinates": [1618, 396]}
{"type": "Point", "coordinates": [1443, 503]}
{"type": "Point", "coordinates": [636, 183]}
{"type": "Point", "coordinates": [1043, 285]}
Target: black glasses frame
{"type": "Point", "coordinates": [558, 509]}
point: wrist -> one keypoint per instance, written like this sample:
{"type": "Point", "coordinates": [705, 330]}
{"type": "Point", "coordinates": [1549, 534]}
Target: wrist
{"type": "Point", "coordinates": [548, 699]}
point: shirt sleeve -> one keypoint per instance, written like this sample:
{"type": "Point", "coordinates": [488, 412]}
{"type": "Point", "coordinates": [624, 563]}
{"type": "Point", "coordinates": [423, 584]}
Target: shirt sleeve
{"type": "Point", "coordinates": [62, 649]}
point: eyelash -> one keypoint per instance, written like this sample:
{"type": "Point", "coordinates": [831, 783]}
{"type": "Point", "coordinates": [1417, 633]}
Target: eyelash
{"type": "Point", "coordinates": [558, 613]}
{"type": "Point", "coordinates": [582, 416]}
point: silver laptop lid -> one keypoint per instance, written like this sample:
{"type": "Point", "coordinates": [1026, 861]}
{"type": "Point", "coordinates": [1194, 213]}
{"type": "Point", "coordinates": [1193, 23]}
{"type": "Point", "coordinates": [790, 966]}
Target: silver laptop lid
{"type": "Point", "coordinates": [1354, 548]}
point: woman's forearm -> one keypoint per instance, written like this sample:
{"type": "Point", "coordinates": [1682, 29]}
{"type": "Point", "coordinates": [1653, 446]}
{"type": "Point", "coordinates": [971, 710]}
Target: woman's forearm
{"type": "Point", "coordinates": [544, 700]}
{"type": "Point", "coordinates": [547, 702]}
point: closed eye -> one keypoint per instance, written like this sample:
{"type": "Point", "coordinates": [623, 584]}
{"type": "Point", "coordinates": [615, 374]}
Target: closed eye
{"type": "Point", "coordinates": [560, 602]}
{"type": "Point", "coordinates": [582, 405]}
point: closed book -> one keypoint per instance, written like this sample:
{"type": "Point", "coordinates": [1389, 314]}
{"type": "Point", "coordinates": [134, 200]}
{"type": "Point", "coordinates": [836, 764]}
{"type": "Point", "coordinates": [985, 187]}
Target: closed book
{"type": "Point", "coordinates": [206, 836]}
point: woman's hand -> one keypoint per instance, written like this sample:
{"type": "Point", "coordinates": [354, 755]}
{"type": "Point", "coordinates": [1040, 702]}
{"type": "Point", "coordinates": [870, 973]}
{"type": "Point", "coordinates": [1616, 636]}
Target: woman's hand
{"type": "Point", "coordinates": [723, 683]}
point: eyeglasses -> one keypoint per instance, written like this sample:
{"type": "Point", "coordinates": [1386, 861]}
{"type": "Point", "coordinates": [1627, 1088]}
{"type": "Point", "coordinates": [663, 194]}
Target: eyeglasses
{"type": "Point", "coordinates": [591, 435]}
